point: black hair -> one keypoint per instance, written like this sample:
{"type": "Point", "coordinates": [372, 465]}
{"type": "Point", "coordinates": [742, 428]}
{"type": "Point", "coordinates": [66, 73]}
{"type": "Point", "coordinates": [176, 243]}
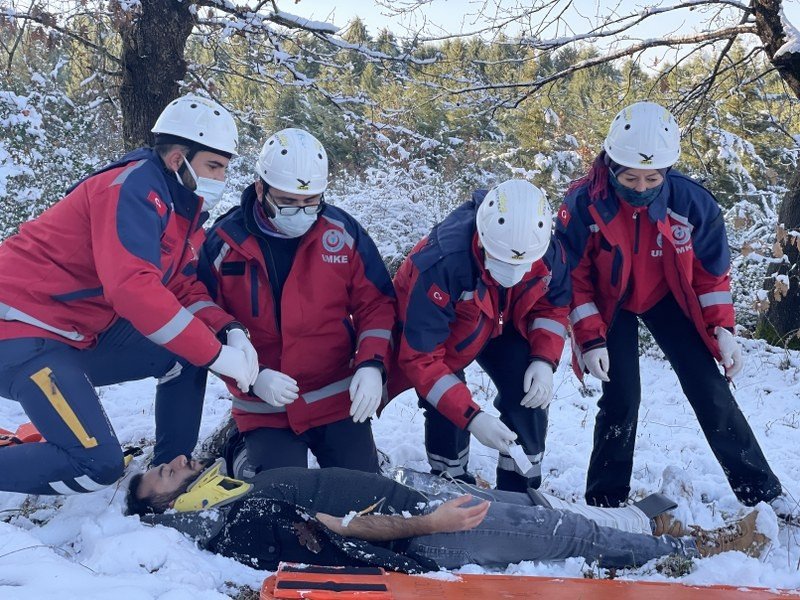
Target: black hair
{"type": "Point", "coordinates": [164, 142]}
{"type": "Point", "coordinates": [153, 504]}
{"type": "Point", "coordinates": [167, 143]}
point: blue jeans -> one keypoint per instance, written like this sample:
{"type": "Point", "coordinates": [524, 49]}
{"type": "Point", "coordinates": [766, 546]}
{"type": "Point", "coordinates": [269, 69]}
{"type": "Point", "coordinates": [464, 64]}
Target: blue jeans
{"type": "Point", "coordinates": [511, 533]}
{"type": "Point", "coordinates": [342, 444]}
{"type": "Point", "coordinates": [514, 530]}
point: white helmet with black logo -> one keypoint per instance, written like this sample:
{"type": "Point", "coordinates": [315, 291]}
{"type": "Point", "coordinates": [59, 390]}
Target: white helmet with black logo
{"type": "Point", "coordinates": [292, 160]}
{"type": "Point", "coordinates": [514, 222]}
{"type": "Point", "coordinates": [199, 120]}
{"type": "Point", "coordinates": [644, 135]}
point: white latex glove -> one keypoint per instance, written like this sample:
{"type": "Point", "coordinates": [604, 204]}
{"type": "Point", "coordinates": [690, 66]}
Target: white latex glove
{"type": "Point", "coordinates": [366, 389]}
{"type": "Point", "coordinates": [596, 362]}
{"type": "Point", "coordinates": [491, 432]}
{"type": "Point", "coordinates": [537, 385]}
{"type": "Point", "coordinates": [730, 350]}
{"type": "Point", "coordinates": [275, 388]}
{"type": "Point", "coordinates": [232, 363]}
{"type": "Point", "coordinates": [239, 340]}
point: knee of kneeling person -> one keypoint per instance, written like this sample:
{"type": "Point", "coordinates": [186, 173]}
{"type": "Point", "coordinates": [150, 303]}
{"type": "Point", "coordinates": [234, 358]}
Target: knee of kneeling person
{"type": "Point", "coordinates": [101, 466]}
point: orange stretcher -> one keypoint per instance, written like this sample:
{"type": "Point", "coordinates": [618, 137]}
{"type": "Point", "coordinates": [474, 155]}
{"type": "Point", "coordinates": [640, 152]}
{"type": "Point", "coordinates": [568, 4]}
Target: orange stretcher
{"type": "Point", "coordinates": [25, 433]}
{"type": "Point", "coordinates": [372, 583]}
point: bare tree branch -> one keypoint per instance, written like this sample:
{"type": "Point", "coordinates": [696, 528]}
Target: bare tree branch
{"type": "Point", "coordinates": [65, 30]}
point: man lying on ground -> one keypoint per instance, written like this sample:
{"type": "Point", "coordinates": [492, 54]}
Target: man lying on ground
{"type": "Point", "coordinates": [337, 517]}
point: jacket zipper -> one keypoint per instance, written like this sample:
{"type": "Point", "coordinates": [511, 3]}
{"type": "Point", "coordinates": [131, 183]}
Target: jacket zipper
{"type": "Point", "coordinates": [270, 262]}
{"type": "Point", "coordinates": [187, 244]}
{"type": "Point", "coordinates": [254, 290]}
{"type": "Point", "coordinates": [636, 232]}
{"type": "Point", "coordinates": [502, 298]}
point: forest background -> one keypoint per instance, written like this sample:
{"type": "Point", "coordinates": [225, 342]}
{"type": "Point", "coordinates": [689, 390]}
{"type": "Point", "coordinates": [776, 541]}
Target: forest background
{"type": "Point", "coordinates": [413, 121]}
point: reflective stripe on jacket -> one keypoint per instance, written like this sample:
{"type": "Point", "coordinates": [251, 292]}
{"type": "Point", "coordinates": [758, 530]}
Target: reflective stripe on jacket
{"type": "Point", "coordinates": [122, 243]}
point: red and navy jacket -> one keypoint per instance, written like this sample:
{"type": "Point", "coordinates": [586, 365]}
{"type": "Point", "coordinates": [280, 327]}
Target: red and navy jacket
{"type": "Point", "coordinates": [450, 308]}
{"type": "Point", "coordinates": [602, 246]}
{"type": "Point", "coordinates": [337, 311]}
{"type": "Point", "coordinates": [124, 243]}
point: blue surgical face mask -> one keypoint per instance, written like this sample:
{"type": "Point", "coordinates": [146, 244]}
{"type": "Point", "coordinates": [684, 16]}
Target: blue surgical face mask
{"type": "Point", "coordinates": [633, 197]}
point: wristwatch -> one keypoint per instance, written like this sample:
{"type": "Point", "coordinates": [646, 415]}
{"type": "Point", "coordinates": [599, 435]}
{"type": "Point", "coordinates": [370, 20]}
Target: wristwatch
{"type": "Point", "coordinates": [222, 334]}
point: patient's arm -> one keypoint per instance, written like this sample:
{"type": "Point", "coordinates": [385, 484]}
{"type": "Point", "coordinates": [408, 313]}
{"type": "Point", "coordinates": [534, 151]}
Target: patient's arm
{"type": "Point", "coordinates": [449, 516]}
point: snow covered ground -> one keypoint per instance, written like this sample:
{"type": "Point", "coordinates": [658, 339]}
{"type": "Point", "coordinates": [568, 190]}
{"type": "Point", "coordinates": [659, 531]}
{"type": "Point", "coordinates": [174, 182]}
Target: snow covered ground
{"type": "Point", "coordinates": [82, 547]}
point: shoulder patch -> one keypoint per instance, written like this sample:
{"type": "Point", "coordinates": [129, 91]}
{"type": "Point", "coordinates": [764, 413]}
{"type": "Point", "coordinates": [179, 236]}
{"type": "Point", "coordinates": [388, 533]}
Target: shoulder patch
{"type": "Point", "coordinates": [564, 215]}
{"type": "Point", "coordinates": [438, 296]}
{"type": "Point", "coordinates": [156, 201]}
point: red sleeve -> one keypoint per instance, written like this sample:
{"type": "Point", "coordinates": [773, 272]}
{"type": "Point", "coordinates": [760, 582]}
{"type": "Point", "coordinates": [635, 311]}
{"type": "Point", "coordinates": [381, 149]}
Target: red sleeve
{"type": "Point", "coordinates": [588, 328]}
{"type": "Point", "coordinates": [193, 294]}
{"type": "Point", "coordinates": [126, 229]}
{"type": "Point", "coordinates": [546, 331]}
{"type": "Point", "coordinates": [711, 271]}
{"type": "Point", "coordinates": [426, 326]}
{"type": "Point", "coordinates": [374, 310]}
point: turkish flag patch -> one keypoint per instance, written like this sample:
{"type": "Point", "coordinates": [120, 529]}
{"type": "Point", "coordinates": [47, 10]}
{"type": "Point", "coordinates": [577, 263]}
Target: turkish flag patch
{"type": "Point", "coordinates": [156, 201]}
{"type": "Point", "coordinates": [438, 296]}
{"type": "Point", "coordinates": [564, 216]}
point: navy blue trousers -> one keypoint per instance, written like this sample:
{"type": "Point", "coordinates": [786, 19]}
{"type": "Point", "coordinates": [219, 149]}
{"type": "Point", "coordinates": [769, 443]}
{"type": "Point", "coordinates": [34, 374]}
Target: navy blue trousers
{"type": "Point", "coordinates": [343, 443]}
{"type": "Point", "coordinates": [55, 384]}
{"type": "Point", "coordinates": [725, 427]}
{"type": "Point", "coordinates": [504, 359]}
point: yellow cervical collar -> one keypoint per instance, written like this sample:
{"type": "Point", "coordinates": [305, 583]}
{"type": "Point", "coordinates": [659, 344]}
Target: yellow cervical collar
{"type": "Point", "coordinates": [211, 489]}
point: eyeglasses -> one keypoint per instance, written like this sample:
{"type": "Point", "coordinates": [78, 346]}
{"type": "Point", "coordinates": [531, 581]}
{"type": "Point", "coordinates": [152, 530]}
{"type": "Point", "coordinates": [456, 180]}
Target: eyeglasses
{"type": "Point", "coordinates": [290, 211]}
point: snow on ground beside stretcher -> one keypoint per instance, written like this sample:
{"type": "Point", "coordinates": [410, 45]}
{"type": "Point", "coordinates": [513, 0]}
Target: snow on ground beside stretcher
{"type": "Point", "coordinates": [82, 547]}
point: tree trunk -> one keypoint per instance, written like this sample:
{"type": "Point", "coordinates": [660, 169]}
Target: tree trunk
{"type": "Point", "coordinates": [153, 46]}
{"type": "Point", "coordinates": [770, 30]}
{"type": "Point", "coordinates": [780, 324]}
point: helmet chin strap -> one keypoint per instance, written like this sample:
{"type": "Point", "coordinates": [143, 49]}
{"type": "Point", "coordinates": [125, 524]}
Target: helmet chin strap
{"type": "Point", "coordinates": [185, 174]}
{"type": "Point", "coordinates": [266, 205]}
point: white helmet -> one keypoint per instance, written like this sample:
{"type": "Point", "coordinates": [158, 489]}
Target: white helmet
{"type": "Point", "coordinates": [514, 222]}
{"type": "Point", "coordinates": [199, 120]}
{"type": "Point", "coordinates": [644, 135]}
{"type": "Point", "coordinates": [292, 160]}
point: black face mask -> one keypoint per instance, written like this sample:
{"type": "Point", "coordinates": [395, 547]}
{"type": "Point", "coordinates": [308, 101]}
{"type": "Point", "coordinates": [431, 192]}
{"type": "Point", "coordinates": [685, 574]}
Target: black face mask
{"type": "Point", "coordinates": [633, 197]}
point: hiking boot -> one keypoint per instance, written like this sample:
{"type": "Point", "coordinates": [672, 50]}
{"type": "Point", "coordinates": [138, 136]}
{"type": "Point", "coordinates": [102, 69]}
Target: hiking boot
{"type": "Point", "coordinates": [740, 536]}
{"type": "Point", "coordinates": [667, 524]}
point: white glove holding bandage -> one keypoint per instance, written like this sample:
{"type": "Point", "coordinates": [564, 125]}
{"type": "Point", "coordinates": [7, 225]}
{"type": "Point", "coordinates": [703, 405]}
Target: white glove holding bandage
{"type": "Point", "coordinates": [537, 385]}
{"type": "Point", "coordinates": [276, 388]}
{"type": "Point", "coordinates": [491, 431]}
{"type": "Point", "coordinates": [730, 350]}
{"type": "Point", "coordinates": [366, 389]}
